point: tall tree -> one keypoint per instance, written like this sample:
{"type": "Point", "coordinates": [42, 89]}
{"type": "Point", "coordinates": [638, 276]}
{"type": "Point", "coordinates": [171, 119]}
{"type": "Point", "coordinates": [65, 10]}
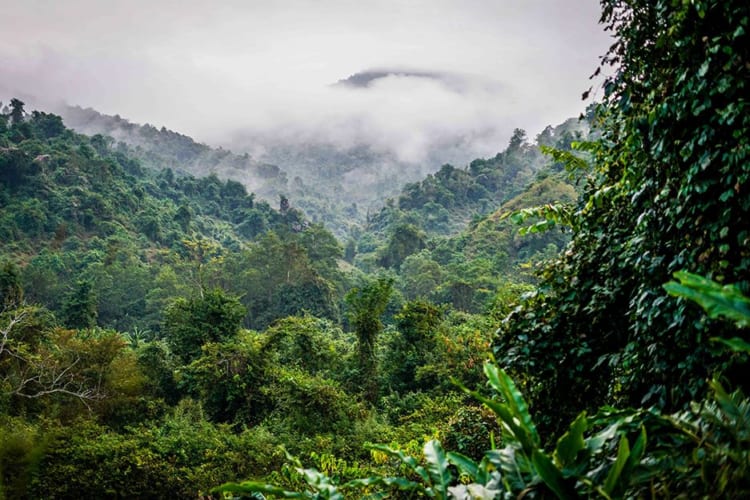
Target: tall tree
{"type": "Point", "coordinates": [16, 111]}
{"type": "Point", "coordinates": [79, 309]}
{"type": "Point", "coordinates": [212, 317]}
{"type": "Point", "coordinates": [405, 239]}
{"type": "Point", "coordinates": [366, 304]}
{"type": "Point", "coordinates": [417, 324]}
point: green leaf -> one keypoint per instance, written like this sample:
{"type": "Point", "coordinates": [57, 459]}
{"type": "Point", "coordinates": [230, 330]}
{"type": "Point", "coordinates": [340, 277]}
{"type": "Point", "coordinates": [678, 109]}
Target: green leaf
{"type": "Point", "coordinates": [735, 343]}
{"type": "Point", "coordinates": [504, 385]}
{"type": "Point", "coordinates": [728, 406]}
{"type": "Point", "coordinates": [639, 447]}
{"type": "Point", "coordinates": [485, 468]}
{"type": "Point", "coordinates": [437, 466]}
{"type": "Point", "coordinates": [321, 482]}
{"type": "Point", "coordinates": [623, 453]}
{"type": "Point", "coordinates": [504, 415]}
{"type": "Point", "coordinates": [551, 475]}
{"type": "Point", "coordinates": [571, 442]}
{"type": "Point", "coordinates": [595, 443]}
{"type": "Point", "coordinates": [465, 465]}
{"type": "Point", "coordinates": [570, 161]}
{"type": "Point", "coordinates": [398, 482]}
{"type": "Point", "coordinates": [718, 301]}
{"type": "Point", "coordinates": [406, 459]}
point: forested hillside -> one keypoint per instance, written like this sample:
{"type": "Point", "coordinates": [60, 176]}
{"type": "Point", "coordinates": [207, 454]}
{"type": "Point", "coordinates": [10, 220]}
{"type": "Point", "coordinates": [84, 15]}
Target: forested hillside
{"type": "Point", "coordinates": [333, 185]}
{"type": "Point", "coordinates": [565, 319]}
{"type": "Point", "coordinates": [344, 189]}
{"type": "Point", "coordinates": [163, 148]}
{"type": "Point", "coordinates": [155, 321]}
{"type": "Point", "coordinates": [83, 218]}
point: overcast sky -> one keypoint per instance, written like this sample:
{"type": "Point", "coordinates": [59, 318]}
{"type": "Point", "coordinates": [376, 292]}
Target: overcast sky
{"type": "Point", "coordinates": [212, 68]}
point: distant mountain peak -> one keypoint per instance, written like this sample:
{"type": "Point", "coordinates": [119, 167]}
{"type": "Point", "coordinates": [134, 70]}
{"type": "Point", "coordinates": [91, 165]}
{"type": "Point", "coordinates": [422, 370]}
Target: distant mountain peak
{"type": "Point", "coordinates": [460, 83]}
{"type": "Point", "coordinates": [366, 78]}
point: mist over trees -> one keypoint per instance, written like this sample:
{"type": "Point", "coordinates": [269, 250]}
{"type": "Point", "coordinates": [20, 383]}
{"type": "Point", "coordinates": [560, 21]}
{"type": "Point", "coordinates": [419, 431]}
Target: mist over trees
{"type": "Point", "coordinates": [567, 318]}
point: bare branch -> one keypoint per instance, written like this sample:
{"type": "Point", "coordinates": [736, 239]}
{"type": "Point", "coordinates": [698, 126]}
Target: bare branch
{"type": "Point", "coordinates": [48, 375]}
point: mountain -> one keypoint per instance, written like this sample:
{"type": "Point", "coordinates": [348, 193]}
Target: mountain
{"type": "Point", "coordinates": [163, 148]}
{"type": "Point", "coordinates": [334, 185]}
{"type": "Point", "coordinates": [364, 79]}
{"type": "Point", "coordinates": [455, 82]}
{"type": "Point", "coordinates": [344, 188]}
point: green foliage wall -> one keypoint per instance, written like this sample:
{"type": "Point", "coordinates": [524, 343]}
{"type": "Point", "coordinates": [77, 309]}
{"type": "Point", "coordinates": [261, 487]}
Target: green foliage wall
{"type": "Point", "coordinates": [668, 192]}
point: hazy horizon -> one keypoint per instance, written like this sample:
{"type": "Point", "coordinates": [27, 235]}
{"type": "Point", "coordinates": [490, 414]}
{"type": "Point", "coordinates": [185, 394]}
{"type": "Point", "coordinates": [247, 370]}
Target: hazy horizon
{"type": "Point", "coordinates": [233, 71]}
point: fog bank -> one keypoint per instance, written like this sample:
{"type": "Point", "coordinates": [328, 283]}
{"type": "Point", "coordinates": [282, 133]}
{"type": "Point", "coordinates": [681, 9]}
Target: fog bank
{"type": "Point", "coordinates": [463, 72]}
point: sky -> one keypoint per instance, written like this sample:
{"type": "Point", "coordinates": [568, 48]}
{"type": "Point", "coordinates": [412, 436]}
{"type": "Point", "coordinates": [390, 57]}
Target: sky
{"type": "Point", "coordinates": [223, 71]}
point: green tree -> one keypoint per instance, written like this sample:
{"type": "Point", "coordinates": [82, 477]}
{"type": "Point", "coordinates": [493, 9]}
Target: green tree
{"type": "Point", "coordinates": [158, 365]}
{"type": "Point", "coordinates": [405, 239]}
{"type": "Point", "coordinates": [350, 251]}
{"type": "Point", "coordinates": [309, 344]}
{"type": "Point", "coordinates": [16, 167]}
{"type": "Point", "coordinates": [517, 140]}
{"type": "Point", "coordinates": [190, 323]}
{"type": "Point", "coordinates": [79, 310]}
{"type": "Point", "coordinates": [366, 304]}
{"type": "Point", "coordinates": [44, 279]}
{"type": "Point", "coordinates": [16, 111]}
{"type": "Point", "coordinates": [323, 250]}
{"type": "Point", "coordinates": [277, 276]}
{"type": "Point", "coordinates": [417, 324]}
{"type": "Point", "coordinates": [183, 216]}
{"type": "Point", "coordinates": [47, 125]}
{"type": "Point", "coordinates": [420, 275]}
{"type": "Point", "coordinates": [229, 377]}
{"type": "Point", "coordinates": [11, 291]}
{"type": "Point", "coordinates": [121, 288]}
{"type": "Point", "coordinates": [313, 295]}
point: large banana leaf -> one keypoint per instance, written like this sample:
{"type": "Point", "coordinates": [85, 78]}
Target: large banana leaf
{"type": "Point", "coordinates": [438, 468]}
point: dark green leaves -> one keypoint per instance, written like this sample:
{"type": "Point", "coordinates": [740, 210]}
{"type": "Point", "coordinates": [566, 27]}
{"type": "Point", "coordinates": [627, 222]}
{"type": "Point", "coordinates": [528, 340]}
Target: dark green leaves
{"type": "Point", "coordinates": [571, 443]}
{"type": "Point", "coordinates": [667, 191]}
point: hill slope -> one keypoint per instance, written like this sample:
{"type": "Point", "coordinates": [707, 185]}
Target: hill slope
{"type": "Point", "coordinates": [80, 214]}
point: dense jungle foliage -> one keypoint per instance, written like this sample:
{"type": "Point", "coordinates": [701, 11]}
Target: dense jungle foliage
{"type": "Point", "coordinates": [163, 334]}
{"type": "Point", "coordinates": [162, 325]}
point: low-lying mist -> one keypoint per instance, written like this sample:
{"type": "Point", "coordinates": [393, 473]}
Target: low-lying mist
{"type": "Point", "coordinates": [413, 116]}
{"type": "Point", "coordinates": [409, 116]}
